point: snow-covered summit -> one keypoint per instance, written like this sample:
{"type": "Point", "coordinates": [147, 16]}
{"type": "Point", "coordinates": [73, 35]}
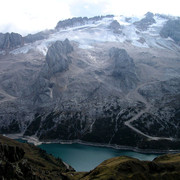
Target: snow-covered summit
{"type": "Point", "coordinates": [143, 32]}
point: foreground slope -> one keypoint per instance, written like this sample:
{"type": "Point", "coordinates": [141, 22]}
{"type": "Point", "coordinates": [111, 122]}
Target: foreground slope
{"type": "Point", "coordinates": [21, 161]}
{"type": "Point", "coordinates": [25, 161]}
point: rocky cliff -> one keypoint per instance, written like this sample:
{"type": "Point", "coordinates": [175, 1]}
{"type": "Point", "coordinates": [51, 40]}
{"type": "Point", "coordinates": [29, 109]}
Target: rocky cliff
{"type": "Point", "coordinates": [57, 58]}
{"type": "Point", "coordinates": [123, 67]}
{"type": "Point", "coordinates": [144, 23]}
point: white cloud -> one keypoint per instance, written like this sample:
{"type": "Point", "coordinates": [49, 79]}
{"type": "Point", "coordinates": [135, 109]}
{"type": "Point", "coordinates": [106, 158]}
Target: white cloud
{"type": "Point", "coordinates": [25, 16]}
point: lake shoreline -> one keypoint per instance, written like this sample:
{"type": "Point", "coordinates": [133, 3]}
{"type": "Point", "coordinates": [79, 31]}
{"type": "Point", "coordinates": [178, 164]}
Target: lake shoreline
{"type": "Point", "coordinates": [34, 140]}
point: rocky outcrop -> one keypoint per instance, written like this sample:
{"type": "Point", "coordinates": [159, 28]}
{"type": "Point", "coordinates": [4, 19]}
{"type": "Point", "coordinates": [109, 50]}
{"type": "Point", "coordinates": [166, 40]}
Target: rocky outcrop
{"type": "Point", "coordinates": [57, 58]}
{"type": "Point", "coordinates": [123, 67]}
{"type": "Point", "coordinates": [172, 29]}
{"type": "Point", "coordinates": [144, 23]}
{"type": "Point", "coordinates": [71, 22]}
{"type": "Point", "coordinates": [9, 41]}
{"type": "Point", "coordinates": [116, 27]}
{"type": "Point", "coordinates": [57, 61]}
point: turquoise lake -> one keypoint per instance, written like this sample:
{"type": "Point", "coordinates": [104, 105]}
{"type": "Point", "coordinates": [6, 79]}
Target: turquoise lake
{"type": "Point", "coordinates": [86, 158]}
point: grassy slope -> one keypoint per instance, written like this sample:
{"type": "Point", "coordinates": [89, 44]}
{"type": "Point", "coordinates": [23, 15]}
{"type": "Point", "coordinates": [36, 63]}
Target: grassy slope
{"type": "Point", "coordinates": [165, 167]}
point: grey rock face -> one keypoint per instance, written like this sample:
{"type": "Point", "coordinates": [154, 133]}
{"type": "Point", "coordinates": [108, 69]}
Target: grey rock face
{"type": "Point", "coordinates": [71, 22]}
{"type": "Point", "coordinates": [123, 63]}
{"type": "Point", "coordinates": [123, 67]}
{"type": "Point", "coordinates": [9, 41]}
{"type": "Point", "coordinates": [57, 60]}
{"type": "Point", "coordinates": [116, 27]}
{"type": "Point", "coordinates": [57, 56]}
{"type": "Point", "coordinates": [30, 38]}
{"type": "Point", "coordinates": [144, 23]}
{"type": "Point", "coordinates": [172, 29]}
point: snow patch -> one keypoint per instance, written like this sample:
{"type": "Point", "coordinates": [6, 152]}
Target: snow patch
{"type": "Point", "coordinates": [2, 52]}
{"type": "Point", "coordinates": [21, 50]}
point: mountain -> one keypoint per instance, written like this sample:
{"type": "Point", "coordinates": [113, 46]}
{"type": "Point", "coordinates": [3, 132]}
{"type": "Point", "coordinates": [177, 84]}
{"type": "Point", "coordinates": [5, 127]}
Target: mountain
{"type": "Point", "coordinates": [111, 80]}
{"type": "Point", "coordinates": [26, 161]}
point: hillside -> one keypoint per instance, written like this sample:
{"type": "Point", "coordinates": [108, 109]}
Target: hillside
{"type": "Point", "coordinates": [165, 167]}
{"type": "Point", "coordinates": [25, 161]}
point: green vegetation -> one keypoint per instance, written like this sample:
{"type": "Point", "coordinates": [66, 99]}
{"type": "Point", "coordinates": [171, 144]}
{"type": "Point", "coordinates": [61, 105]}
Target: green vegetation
{"type": "Point", "coordinates": [165, 167]}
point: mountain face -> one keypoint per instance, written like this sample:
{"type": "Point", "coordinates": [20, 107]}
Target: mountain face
{"type": "Point", "coordinates": [172, 29]}
{"type": "Point", "coordinates": [109, 79]}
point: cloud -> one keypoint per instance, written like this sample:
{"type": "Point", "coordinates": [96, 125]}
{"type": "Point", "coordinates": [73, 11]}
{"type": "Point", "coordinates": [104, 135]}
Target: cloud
{"type": "Point", "coordinates": [88, 8]}
{"type": "Point", "coordinates": [140, 7]}
{"type": "Point", "coordinates": [31, 15]}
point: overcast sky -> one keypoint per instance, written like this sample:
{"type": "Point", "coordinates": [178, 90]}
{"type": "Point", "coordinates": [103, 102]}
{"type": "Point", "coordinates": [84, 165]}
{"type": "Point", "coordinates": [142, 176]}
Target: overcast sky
{"type": "Point", "coordinates": [28, 16]}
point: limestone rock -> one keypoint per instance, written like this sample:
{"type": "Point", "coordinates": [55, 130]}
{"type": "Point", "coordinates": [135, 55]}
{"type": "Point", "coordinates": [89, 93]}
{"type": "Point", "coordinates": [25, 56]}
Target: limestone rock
{"type": "Point", "coordinates": [57, 58]}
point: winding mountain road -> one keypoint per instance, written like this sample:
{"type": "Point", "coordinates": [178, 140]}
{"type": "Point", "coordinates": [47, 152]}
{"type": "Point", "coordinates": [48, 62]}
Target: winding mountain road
{"type": "Point", "coordinates": [137, 116]}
